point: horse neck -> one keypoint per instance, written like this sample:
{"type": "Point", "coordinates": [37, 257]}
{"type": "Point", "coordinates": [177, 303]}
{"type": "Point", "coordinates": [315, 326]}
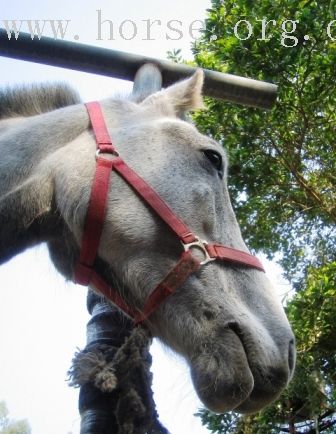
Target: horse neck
{"type": "Point", "coordinates": [27, 216]}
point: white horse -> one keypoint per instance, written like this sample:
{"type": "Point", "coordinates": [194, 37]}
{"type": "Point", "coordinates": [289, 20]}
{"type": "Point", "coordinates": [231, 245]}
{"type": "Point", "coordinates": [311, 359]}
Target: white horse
{"type": "Point", "coordinates": [225, 319]}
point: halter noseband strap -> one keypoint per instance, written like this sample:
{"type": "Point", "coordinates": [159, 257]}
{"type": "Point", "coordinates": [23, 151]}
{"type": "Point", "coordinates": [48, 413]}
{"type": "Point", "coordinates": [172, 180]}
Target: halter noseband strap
{"type": "Point", "coordinates": [85, 273]}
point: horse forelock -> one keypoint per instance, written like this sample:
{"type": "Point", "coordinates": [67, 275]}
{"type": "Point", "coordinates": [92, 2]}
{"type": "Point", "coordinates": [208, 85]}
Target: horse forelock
{"type": "Point", "coordinates": [34, 99]}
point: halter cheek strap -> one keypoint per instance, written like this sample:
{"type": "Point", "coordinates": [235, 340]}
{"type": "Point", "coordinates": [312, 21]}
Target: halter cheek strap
{"type": "Point", "coordinates": [85, 273]}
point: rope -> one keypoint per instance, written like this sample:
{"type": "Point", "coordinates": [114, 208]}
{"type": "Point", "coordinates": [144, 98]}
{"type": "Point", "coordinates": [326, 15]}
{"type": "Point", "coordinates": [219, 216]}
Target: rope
{"type": "Point", "coordinates": [124, 372]}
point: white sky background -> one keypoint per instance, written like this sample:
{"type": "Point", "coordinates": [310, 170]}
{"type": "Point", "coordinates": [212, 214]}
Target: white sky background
{"type": "Point", "coordinates": [42, 318]}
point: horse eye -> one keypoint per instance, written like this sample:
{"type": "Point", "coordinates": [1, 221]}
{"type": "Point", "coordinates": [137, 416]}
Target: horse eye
{"type": "Point", "coordinates": [216, 160]}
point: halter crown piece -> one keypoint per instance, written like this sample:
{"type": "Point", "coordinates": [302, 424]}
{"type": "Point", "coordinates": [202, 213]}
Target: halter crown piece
{"type": "Point", "coordinates": [85, 273]}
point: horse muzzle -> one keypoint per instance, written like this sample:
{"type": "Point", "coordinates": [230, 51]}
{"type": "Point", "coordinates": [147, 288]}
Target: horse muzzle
{"type": "Point", "coordinates": [234, 373]}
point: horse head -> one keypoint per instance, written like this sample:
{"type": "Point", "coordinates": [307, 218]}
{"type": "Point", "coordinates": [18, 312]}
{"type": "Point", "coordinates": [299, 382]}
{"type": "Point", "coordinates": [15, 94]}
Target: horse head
{"type": "Point", "coordinates": [225, 319]}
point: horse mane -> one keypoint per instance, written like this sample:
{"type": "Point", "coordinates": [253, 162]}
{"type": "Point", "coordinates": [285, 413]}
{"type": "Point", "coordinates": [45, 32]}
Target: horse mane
{"type": "Point", "coordinates": [34, 99]}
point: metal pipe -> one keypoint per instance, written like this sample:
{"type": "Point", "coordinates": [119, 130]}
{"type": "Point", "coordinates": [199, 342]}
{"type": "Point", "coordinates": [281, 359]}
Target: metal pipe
{"type": "Point", "coordinates": [103, 61]}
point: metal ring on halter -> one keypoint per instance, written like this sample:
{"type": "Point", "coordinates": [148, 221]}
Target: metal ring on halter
{"type": "Point", "coordinates": [114, 153]}
{"type": "Point", "coordinates": [199, 245]}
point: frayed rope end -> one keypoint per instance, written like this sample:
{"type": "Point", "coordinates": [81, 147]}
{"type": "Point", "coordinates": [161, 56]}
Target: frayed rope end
{"type": "Point", "coordinates": [91, 366]}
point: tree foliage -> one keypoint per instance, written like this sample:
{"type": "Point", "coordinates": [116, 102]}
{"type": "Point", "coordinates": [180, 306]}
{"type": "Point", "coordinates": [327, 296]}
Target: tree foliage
{"type": "Point", "coordinates": [283, 182]}
{"type": "Point", "coordinates": [8, 426]}
{"type": "Point", "coordinates": [175, 55]}
{"type": "Point", "coordinates": [282, 171]}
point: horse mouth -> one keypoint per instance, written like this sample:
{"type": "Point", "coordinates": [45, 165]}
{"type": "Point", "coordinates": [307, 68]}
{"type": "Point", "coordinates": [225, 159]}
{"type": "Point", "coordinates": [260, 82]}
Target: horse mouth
{"type": "Point", "coordinates": [227, 377]}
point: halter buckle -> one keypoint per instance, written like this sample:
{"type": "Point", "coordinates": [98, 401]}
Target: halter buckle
{"type": "Point", "coordinates": [113, 152]}
{"type": "Point", "coordinates": [200, 245]}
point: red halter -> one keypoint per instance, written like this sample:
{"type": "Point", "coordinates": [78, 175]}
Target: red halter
{"type": "Point", "coordinates": [188, 264]}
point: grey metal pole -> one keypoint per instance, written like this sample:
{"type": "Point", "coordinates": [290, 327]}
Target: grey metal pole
{"type": "Point", "coordinates": [123, 65]}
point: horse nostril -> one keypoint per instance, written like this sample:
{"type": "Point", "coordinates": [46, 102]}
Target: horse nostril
{"type": "Point", "coordinates": [291, 355]}
{"type": "Point", "coordinates": [208, 314]}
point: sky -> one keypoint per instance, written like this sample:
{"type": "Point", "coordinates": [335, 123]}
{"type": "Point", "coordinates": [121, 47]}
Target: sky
{"type": "Point", "coordinates": [42, 317]}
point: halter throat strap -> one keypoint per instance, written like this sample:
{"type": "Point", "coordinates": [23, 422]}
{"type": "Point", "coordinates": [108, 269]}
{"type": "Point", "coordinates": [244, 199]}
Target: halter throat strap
{"type": "Point", "coordinates": [85, 273]}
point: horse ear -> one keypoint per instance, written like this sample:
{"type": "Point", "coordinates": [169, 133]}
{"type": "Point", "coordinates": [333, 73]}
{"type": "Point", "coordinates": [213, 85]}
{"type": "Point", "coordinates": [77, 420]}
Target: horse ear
{"type": "Point", "coordinates": [180, 97]}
